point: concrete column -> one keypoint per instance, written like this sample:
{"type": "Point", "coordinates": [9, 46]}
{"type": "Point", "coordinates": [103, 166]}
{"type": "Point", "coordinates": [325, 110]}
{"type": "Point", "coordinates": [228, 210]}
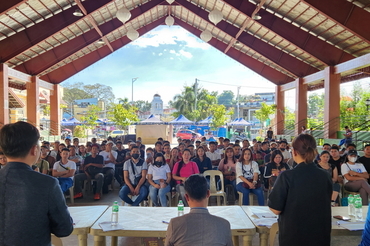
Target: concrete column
{"type": "Point", "coordinates": [301, 106]}
{"type": "Point", "coordinates": [4, 94]}
{"type": "Point", "coordinates": [33, 102]}
{"type": "Point", "coordinates": [331, 103]}
{"type": "Point", "coordinates": [55, 111]}
{"type": "Point", "coordinates": [280, 109]}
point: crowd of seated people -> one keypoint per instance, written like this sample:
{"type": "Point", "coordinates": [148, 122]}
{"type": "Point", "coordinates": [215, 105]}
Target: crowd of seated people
{"type": "Point", "coordinates": [144, 173]}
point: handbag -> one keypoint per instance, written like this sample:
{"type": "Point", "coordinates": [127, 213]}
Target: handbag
{"type": "Point", "coordinates": [245, 185]}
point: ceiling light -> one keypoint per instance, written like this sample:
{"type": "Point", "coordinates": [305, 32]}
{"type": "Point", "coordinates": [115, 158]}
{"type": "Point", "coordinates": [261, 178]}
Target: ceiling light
{"type": "Point", "coordinates": [78, 13]}
{"type": "Point", "coordinates": [256, 16]}
{"type": "Point", "coordinates": [100, 41]}
{"type": "Point", "coordinates": [169, 20]}
{"type": "Point", "coordinates": [215, 16]}
{"type": "Point", "coordinates": [237, 43]}
{"type": "Point", "coordinates": [123, 15]}
{"type": "Point", "coordinates": [206, 36]}
{"type": "Point", "coordinates": [132, 34]}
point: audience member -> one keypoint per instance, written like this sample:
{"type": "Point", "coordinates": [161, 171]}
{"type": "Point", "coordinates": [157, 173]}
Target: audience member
{"type": "Point", "coordinates": [93, 169]}
{"type": "Point", "coordinates": [227, 167]}
{"type": "Point", "coordinates": [274, 168]}
{"type": "Point", "coordinates": [45, 155]}
{"type": "Point", "coordinates": [286, 154]}
{"type": "Point", "coordinates": [181, 171]}
{"type": "Point", "coordinates": [175, 157]}
{"type": "Point", "coordinates": [167, 153]}
{"type": "Point", "coordinates": [121, 158]}
{"type": "Point", "coordinates": [42, 165]}
{"type": "Point", "coordinates": [237, 151]}
{"type": "Point", "coordinates": [134, 174]}
{"type": "Point", "coordinates": [365, 160]}
{"type": "Point", "coordinates": [110, 157]}
{"type": "Point", "coordinates": [356, 177]}
{"type": "Point", "coordinates": [64, 170]}
{"type": "Point", "coordinates": [159, 178]}
{"type": "Point", "coordinates": [203, 162]}
{"type": "Point", "coordinates": [213, 154]}
{"type": "Point", "coordinates": [3, 160]}
{"type": "Point", "coordinates": [247, 173]}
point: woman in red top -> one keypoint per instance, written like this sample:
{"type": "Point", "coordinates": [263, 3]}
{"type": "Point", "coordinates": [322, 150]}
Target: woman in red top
{"type": "Point", "coordinates": [182, 170]}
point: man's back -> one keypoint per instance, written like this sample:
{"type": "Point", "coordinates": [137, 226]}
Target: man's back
{"type": "Point", "coordinates": [31, 207]}
{"type": "Point", "coordinates": [198, 227]}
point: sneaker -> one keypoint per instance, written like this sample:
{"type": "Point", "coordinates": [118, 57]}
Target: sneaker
{"type": "Point", "coordinates": [97, 196]}
{"type": "Point", "coordinates": [78, 195]}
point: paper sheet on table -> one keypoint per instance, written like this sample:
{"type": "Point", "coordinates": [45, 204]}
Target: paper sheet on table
{"type": "Point", "coordinates": [265, 222]}
{"type": "Point", "coordinates": [352, 226]}
{"type": "Point", "coordinates": [265, 215]}
{"type": "Point", "coordinates": [107, 226]}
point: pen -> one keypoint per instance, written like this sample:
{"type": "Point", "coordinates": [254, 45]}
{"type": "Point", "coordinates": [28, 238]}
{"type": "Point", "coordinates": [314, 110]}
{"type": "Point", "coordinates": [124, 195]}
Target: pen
{"type": "Point", "coordinates": [166, 222]}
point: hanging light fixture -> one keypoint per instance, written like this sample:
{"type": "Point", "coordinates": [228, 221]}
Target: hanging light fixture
{"type": "Point", "coordinates": [132, 34]}
{"type": "Point", "coordinates": [170, 1]}
{"type": "Point", "coordinates": [215, 16]}
{"type": "Point", "coordinates": [101, 41]}
{"type": "Point", "coordinates": [206, 36]}
{"type": "Point", "coordinates": [123, 15]}
{"type": "Point", "coordinates": [78, 13]}
{"type": "Point", "coordinates": [169, 20]}
{"type": "Point", "coordinates": [256, 16]}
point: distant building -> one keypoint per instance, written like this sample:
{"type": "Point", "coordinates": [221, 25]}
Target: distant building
{"type": "Point", "coordinates": [157, 105]}
{"type": "Point", "coordinates": [248, 109]}
{"type": "Point", "coordinates": [82, 106]}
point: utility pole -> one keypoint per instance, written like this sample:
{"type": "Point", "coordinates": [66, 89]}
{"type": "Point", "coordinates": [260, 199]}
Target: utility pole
{"type": "Point", "coordinates": [132, 90]}
{"type": "Point", "coordinates": [196, 93]}
{"type": "Point", "coordinates": [238, 100]}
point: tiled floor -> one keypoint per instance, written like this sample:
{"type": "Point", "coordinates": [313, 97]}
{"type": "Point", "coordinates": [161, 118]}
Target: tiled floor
{"type": "Point", "coordinates": [108, 199]}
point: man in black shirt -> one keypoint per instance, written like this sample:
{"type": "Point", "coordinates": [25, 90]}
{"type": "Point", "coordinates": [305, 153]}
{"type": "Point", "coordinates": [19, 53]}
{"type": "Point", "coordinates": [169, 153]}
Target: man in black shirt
{"type": "Point", "coordinates": [121, 158]}
{"type": "Point", "coordinates": [93, 168]}
{"type": "Point", "coordinates": [337, 160]}
{"type": "Point", "coordinates": [365, 160]}
{"type": "Point", "coordinates": [269, 133]}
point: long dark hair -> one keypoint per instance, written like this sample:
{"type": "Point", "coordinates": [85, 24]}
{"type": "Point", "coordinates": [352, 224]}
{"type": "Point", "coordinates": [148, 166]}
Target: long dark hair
{"type": "Point", "coordinates": [305, 146]}
{"type": "Point", "coordinates": [241, 159]}
{"type": "Point", "coordinates": [196, 152]}
{"type": "Point", "coordinates": [181, 163]}
{"type": "Point", "coordinates": [226, 158]}
{"type": "Point", "coordinates": [272, 157]}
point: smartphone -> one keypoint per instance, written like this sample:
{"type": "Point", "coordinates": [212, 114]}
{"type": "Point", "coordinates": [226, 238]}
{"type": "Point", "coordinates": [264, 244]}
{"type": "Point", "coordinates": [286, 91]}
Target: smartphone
{"type": "Point", "coordinates": [338, 217]}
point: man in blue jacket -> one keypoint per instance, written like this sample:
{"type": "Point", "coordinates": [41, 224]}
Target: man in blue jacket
{"type": "Point", "coordinates": [32, 205]}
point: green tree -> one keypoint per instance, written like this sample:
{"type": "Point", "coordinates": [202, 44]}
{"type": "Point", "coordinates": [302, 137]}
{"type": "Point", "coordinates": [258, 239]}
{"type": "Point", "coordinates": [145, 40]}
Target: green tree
{"type": "Point", "coordinates": [123, 116]}
{"type": "Point", "coordinates": [79, 132]}
{"type": "Point", "coordinates": [315, 106]}
{"type": "Point", "coordinates": [142, 105]}
{"type": "Point", "coordinates": [220, 115]}
{"type": "Point", "coordinates": [226, 97]}
{"type": "Point", "coordinates": [91, 117]}
{"type": "Point", "coordinates": [264, 112]}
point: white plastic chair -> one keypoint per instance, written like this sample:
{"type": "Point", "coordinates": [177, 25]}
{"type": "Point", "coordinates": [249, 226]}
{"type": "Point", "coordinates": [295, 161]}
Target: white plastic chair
{"type": "Point", "coordinates": [241, 198]}
{"type": "Point", "coordinates": [273, 230]}
{"type": "Point", "coordinates": [213, 185]}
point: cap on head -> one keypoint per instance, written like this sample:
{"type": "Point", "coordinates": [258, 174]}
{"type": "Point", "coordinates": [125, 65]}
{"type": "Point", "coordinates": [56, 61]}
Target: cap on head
{"type": "Point", "coordinates": [352, 152]}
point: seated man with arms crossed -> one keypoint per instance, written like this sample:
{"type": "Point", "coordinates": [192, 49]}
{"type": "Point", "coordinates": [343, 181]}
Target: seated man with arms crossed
{"type": "Point", "coordinates": [198, 227]}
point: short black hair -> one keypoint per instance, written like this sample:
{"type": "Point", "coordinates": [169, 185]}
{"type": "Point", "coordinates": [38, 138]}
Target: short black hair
{"type": "Point", "coordinates": [158, 143]}
{"type": "Point", "coordinates": [335, 147]}
{"type": "Point", "coordinates": [198, 141]}
{"type": "Point", "coordinates": [65, 149]}
{"type": "Point", "coordinates": [191, 145]}
{"type": "Point", "coordinates": [351, 144]}
{"type": "Point", "coordinates": [160, 139]}
{"type": "Point", "coordinates": [367, 145]}
{"type": "Point", "coordinates": [212, 143]}
{"type": "Point", "coordinates": [326, 144]}
{"type": "Point", "coordinates": [17, 139]}
{"type": "Point", "coordinates": [196, 187]}
{"type": "Point", "coordinates": [226, 140]}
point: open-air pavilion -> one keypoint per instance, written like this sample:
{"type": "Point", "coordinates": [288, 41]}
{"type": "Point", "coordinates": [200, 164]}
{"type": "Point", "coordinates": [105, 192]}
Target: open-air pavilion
{"type": "Point", "coordinates": [298, 44]}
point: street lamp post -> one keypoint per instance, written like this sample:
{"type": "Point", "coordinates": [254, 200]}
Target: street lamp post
{"type": "Point", "coordinates": [132, 89]}
{"type": "Point", "coordinates": [367, 102]}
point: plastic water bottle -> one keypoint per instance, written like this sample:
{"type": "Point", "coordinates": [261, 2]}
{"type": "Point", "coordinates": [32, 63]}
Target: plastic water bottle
{"type": "Point", "coordinates": [358, 208]}
{"type": "Point", "coordinates": [180, 208]}
{"type": "Point", "coordinates": [351, 210]}
{"type": "Point", "coordinates": [115, 209]}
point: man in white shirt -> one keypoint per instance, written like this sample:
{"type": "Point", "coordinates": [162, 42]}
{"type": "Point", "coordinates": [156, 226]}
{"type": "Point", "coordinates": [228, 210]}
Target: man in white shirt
{"type": "Point", "coordinates": [284, 151]}
{"type": "Point", "coordinates": [64, 170]}
{"type": "Point", "coordinates": [110, 157]}
{"type": "Point", "coordinates": [213, 155]}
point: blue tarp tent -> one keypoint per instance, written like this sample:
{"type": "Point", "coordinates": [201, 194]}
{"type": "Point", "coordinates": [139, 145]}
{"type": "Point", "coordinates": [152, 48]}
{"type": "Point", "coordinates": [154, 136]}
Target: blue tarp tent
{"type": "Point", "coordinates": [206, 121]}
{"type": "Point", "coordinates": [239, 122]}
{"type": "Point", "coordinates": [152, 120]}
{"type": "Point", "coordinates": [181, 120]}
{"type": "Point", "coordinates": [70, 122]}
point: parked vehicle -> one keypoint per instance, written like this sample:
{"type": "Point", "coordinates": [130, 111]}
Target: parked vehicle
{"type": "Point", "coordinates": [188, 134]}
{"type": "Point", "coordinates": [116, 133]}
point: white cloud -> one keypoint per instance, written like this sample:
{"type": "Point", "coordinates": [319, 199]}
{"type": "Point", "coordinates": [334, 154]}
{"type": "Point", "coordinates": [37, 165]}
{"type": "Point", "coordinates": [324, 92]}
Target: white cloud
{"type": "Point", "coordinates": [170, 35]}
{"type": "Point", "coordinates": [160, 54]}
{"type": "Point", "coordinates": [186, 54]}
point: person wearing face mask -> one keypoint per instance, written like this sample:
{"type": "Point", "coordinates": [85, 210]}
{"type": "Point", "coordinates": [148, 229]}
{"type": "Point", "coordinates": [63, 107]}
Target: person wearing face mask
{"type": "Point", "coordinates": [159, 178]}
{"type": "Point", "coordinates": [134, 174]}
{"type": "Point", "coordinates": [355, 177]}
{"type": "Point", "coordinates": [286, 154]}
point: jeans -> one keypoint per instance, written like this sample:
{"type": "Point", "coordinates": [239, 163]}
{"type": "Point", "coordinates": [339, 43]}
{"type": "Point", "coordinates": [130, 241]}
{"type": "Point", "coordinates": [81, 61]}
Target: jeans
{"type": "Point", "coordinates": [79, 178]}
{"type": "Point", "coordinates": [181, 190]}
{"type": "Point", "coordinates": [125, 190]}
{"type": "Point", "coordinates": [258, 192]}
{"type": "Point", "coordinates": [154, 193]}
{"type": "Point", "coordinates": [118, 174]}
{"type": "Point", "coordinates": [108, 177]}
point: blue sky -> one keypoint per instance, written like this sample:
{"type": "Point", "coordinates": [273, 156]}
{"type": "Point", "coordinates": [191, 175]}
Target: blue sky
{"type": "Point", "coordinates": [166, 59]}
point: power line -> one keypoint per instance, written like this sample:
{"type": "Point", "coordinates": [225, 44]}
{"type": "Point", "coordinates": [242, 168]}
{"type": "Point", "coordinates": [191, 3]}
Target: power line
{"type": "Point", "coordinates": [211, 82]}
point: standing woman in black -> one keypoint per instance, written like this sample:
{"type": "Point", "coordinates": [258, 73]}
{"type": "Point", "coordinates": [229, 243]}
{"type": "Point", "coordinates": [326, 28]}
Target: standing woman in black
{"type": "Point", "coordinates": [302, 198]}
